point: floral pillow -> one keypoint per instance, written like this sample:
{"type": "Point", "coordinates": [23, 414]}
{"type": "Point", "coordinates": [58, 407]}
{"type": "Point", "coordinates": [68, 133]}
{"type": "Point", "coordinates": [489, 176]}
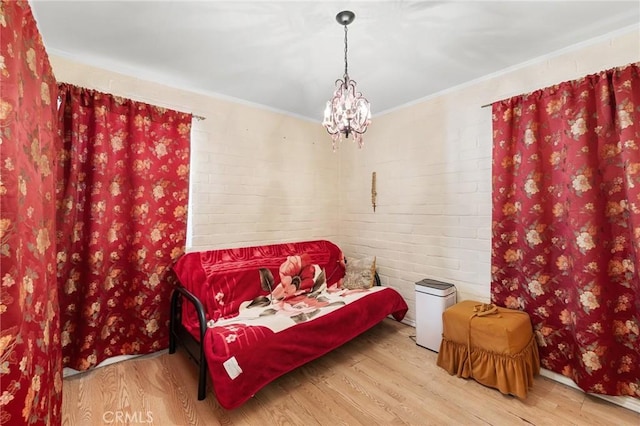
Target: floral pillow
{"type": "Point", "coordinates": [360, 273]}
{"type": "Point", "coordinates": [297, 276]}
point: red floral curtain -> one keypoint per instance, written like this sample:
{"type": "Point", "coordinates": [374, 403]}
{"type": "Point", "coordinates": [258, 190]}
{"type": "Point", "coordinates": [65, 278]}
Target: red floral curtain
{"type": "Point", "coordinates": [566, 224]}
{"type": "Point", "coordinates": [122, 220]}
{"type": "Point", "coordinates": [30, 357]}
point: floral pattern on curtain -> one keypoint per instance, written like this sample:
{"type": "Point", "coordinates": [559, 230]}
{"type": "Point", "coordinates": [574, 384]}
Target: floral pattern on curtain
{"type": "Point", "coordinates": [566, 224]}
{"type": "Point", "coordinates": [122, 221]}
{"type": "Point", "coordinates": [30, 355]}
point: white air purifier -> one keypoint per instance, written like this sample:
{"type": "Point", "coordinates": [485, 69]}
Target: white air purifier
{"type": "Point", "coordinates": [432, 298]}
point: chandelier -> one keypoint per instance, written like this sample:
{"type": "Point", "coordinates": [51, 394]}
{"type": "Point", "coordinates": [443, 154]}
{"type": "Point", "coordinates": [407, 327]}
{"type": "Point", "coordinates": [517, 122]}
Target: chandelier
{"type": "Point", "coordinates": [347, 112]}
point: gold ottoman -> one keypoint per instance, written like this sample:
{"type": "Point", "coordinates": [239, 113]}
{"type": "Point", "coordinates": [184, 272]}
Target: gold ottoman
{"type": "Point", "coordinates": [504, 354]}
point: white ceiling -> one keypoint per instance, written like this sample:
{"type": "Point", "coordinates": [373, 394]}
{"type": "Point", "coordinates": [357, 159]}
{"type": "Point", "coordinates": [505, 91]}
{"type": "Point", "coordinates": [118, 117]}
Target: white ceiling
{"type": "Point", "coordinates": [287, 55]}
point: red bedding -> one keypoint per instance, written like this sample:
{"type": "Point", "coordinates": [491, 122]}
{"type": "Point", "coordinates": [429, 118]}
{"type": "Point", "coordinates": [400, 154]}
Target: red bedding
{"type": "Point", "coordinates": [264, 355]}
{"type": "Point", "coordinates": [256, 335]}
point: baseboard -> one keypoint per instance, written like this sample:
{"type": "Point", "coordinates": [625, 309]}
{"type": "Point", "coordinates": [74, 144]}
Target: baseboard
{"type": "Point", "coordinates": [67, 372]}
{"type": "Point", "coordinates": [627, 402]}
{"type": "Point", "coordinates": [409, 322]}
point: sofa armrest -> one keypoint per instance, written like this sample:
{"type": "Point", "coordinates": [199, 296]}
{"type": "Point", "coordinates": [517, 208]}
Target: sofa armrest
{"type": "Point", "coordinates": [176, 311]}
{"type": "Point", "coordinates": [177, 331]}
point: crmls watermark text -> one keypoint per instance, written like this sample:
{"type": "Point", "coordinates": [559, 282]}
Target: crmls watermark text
{"type": "Point", "coordinates": [121, 417]}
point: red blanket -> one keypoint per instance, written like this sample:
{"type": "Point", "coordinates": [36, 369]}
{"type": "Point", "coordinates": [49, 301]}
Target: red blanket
{"type": "Point", "coordinates": [273, 308]}
{"type": "Point", "coordinates": [222, 279]}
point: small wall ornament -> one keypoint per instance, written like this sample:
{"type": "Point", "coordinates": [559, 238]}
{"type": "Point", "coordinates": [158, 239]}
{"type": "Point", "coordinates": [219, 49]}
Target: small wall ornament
{"type": "Point", "coordinates": [374, 194]}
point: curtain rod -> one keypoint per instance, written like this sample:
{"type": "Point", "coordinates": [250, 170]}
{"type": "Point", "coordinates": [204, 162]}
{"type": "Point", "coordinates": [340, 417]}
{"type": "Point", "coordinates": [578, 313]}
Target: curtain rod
{"type": "Point", "coordinates": [197, 117]}
{"type": "Point", "coordinates": [491, 103]}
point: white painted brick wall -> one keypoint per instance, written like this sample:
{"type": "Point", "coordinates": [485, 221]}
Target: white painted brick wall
{"type": "Point", "coordinates": [261, 181]}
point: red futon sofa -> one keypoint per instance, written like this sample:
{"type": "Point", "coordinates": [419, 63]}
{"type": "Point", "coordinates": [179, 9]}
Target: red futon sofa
{"type": "Point", "coordinates": [249, 315]}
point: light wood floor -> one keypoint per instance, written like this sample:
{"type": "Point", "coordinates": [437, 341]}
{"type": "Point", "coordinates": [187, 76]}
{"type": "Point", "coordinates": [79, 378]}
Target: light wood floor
{"type": "Point", "coordinates": [381, 377]}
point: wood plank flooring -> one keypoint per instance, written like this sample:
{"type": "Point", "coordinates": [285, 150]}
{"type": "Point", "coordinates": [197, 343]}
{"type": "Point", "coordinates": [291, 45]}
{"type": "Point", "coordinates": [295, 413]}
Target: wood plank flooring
{"type": "Point", "coordinates": [380, 378]}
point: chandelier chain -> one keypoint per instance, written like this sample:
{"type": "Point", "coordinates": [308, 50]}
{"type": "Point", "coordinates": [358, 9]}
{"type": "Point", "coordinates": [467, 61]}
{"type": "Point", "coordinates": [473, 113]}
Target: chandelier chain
{"type": "Point", "coordinates": [346, 72]}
